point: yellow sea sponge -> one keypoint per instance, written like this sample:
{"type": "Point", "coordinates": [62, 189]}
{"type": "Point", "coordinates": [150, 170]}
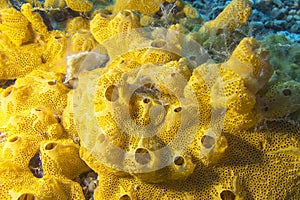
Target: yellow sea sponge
{"type": "Point", "coordinates": [152, 108]}
{"type": "Point", "coordinates": [39, 122]}
{"type": "Point", "coordinates": [80, 5]}
{"type": "Point", "coordinates": [234, 15]}
{"type": "Point", "coordinates": [55, 46]}
{"type": "Point", "coordinates": [250, 157]}
{"type": "Point", "coordinates": [285, 94]}
{"type": "Point", "coordinates": [35, 19]}
{"type": "Point", "coordinates": [199, 84]}
{"type": "Point", "coordinates": [19, 149]}
{"type": "Point", "coordinates": [251, 62]}
{"type": "Point", "coordinates": [144, 7]}
{"type": "Point", "coordinates": [68, 118]}
{"type": "Point", "coordinates": [12, 176]}
{"type": "Point", "coordinates": [49, 187]}
{"type": "Point", "coordinates": [38, 89]}
{"type": "Point", "coordinates": [103, 28]}
{"type": "Point", "coordinates": [77, 24]}
{"type": "Point", "coordinates": [99, 27]}
{"type": "Point", "coordinates": [18, 184]}
{"type": "Point", "coordinates": [54, 3]}
{"type": "Point", "coordinates": [240, 78]}
{"type": "Point", "coordinates": [83, 41]}
{"type": "Point", "coordinates": [3, 4]}
{"type": "Point", "coordinates": [17, 62]}
{"type": "Point", "coordinates": [61, 158]}
{"type": "Point", "coordinates": [189, 11]}
{"type": "Point", "coordinates": [15, 26]}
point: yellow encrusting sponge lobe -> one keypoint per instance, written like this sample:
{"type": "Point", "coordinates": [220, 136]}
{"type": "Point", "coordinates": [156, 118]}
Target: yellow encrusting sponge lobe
{"type": "Point", "coordinates": [234, 15]}
{"type": "Point", "coordinates": [103, 28]}
{"type": "Point", "coordinates": [251, 61]}
{"type": "Point", "coordinates": [286, 94]}
{"type": "Point", "coordinates": [37, 89]}
{"type": "Point", "coordinates": [144, 7]}
{"type": "Point", "coordinates": [36, 121]}
{"type": "Point", "coordinates": [61, 158]}
{"type": "Point", "coordinates": [15, 26]}
{"type": "Point", "coordinates": [35, 19]}
{"type": "Point", "coordinates": [19, 149]}
{"type": "Point", "coordinates": [80, 5]}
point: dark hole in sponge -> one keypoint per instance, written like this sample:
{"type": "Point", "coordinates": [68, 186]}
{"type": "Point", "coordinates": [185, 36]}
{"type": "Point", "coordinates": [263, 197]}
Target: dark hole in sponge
{"type": "Point", "coordinates": [146, 100]}
{"type": "Point", "coordinates": [287, 92]}
{"type": "Point", "coordinates": [178, 109]}
{"type": "Point", "coordinates": [52, 82]}
{"type": "Point", "coordinates": [179, 160]}
{"type": "Point", "coordinates": [227, 195]}
{"type": "Point", "coordinates": [35, 166]}
{"type": "Point", "coordinates": [13, 139]}
{"type": "Point", "coordinates": [50, 146]}
{"type": "Point", "coordinates": [125, 197]}
{"type": "Point", "coordinates": [142, 156]}
{"type": "Point", "coordinates": [111, 93]}
{"type": "Point", "coordinates": [27, 196]}
{"type": "Point", "coordinates": [207, 141]}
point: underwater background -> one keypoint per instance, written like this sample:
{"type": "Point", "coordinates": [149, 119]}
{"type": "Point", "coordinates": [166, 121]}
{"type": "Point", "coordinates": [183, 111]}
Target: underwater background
{"type": "Point", "coordinates": [149, 99]}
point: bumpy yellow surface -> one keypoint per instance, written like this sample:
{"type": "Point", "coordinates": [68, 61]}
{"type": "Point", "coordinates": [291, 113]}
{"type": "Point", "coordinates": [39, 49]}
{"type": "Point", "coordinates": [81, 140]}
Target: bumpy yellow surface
{"type": "Point", "coordinates": [15, 26]}
{"type": "Point", "coordinates": [35, 19]}
{"type": "Point", "coordinates": [234, 15]}
{"type": "Point", "coordinates": [103, 28]}
{"type": "Point", "coordinates": [37, 89]}
{"type": "Point", "coordinates": [79, 5]}
{"type": "Point", "coordinates": [144, 7]}
{"type": "Point", "coordinates": [26, 44]}
{"type": "Point", "coordinates": [157, 122]}
{"type": "Point", "coordinates": [61, 158]}
{"type": "Point", "coordinates": [76, 24]}
{"type": "Point", "coordinates": [152, 108]}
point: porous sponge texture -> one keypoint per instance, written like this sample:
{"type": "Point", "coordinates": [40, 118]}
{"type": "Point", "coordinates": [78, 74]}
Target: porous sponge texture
{"type": "Point", "coordinates": [36, 122]}
{"type": "Point", "coordinates": [149, 107]}
{"type": "Point", "coordinates": [149, 124]}
{"type": "Point", "coordinates": [61, 158]}
{"type": "Point", "coordinates": [234, 15]}
{"type": "Point", "coordinates": [18, 184]}
{"type": "Point", "coordinates": [103, 28]}
{"type": "Point", "coordinates": [37, 89]}
{"type": "Point", "coordinates": [230, 173]}
{"type": "Point", "coordinates": [144, 7]}
{"type": "Point", "coordinates": [80, 5]}
{"type": "Point", "coordinates": [26, 44]}
{"type": "Point", "coordinates": [285, 94]}
{"type": "Point", "coordinates": [83, 41]}
{"type": "Point", "coordinates": [35, 19]}
{"type": "Point", "coordinates": [76, 24]}
{"type": "Point", "coordinates": [19, 149]}
{"type": "Point", "coordinates": [43, 189]}
{"type": "Point", "coordinates": [55, 47]}
{"type": "Point", "coordinates": [54, 3]}
{"type": "Point", "coordinates": [17, 62]}
{"type": "Point", "coordinates": [251, 61]}
{"type": "Point", "coordinates": [15, 26]}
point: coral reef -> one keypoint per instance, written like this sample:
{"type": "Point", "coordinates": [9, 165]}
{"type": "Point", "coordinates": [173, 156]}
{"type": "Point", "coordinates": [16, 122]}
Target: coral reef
{"type": "Point", "coordinates": [143, 100]}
